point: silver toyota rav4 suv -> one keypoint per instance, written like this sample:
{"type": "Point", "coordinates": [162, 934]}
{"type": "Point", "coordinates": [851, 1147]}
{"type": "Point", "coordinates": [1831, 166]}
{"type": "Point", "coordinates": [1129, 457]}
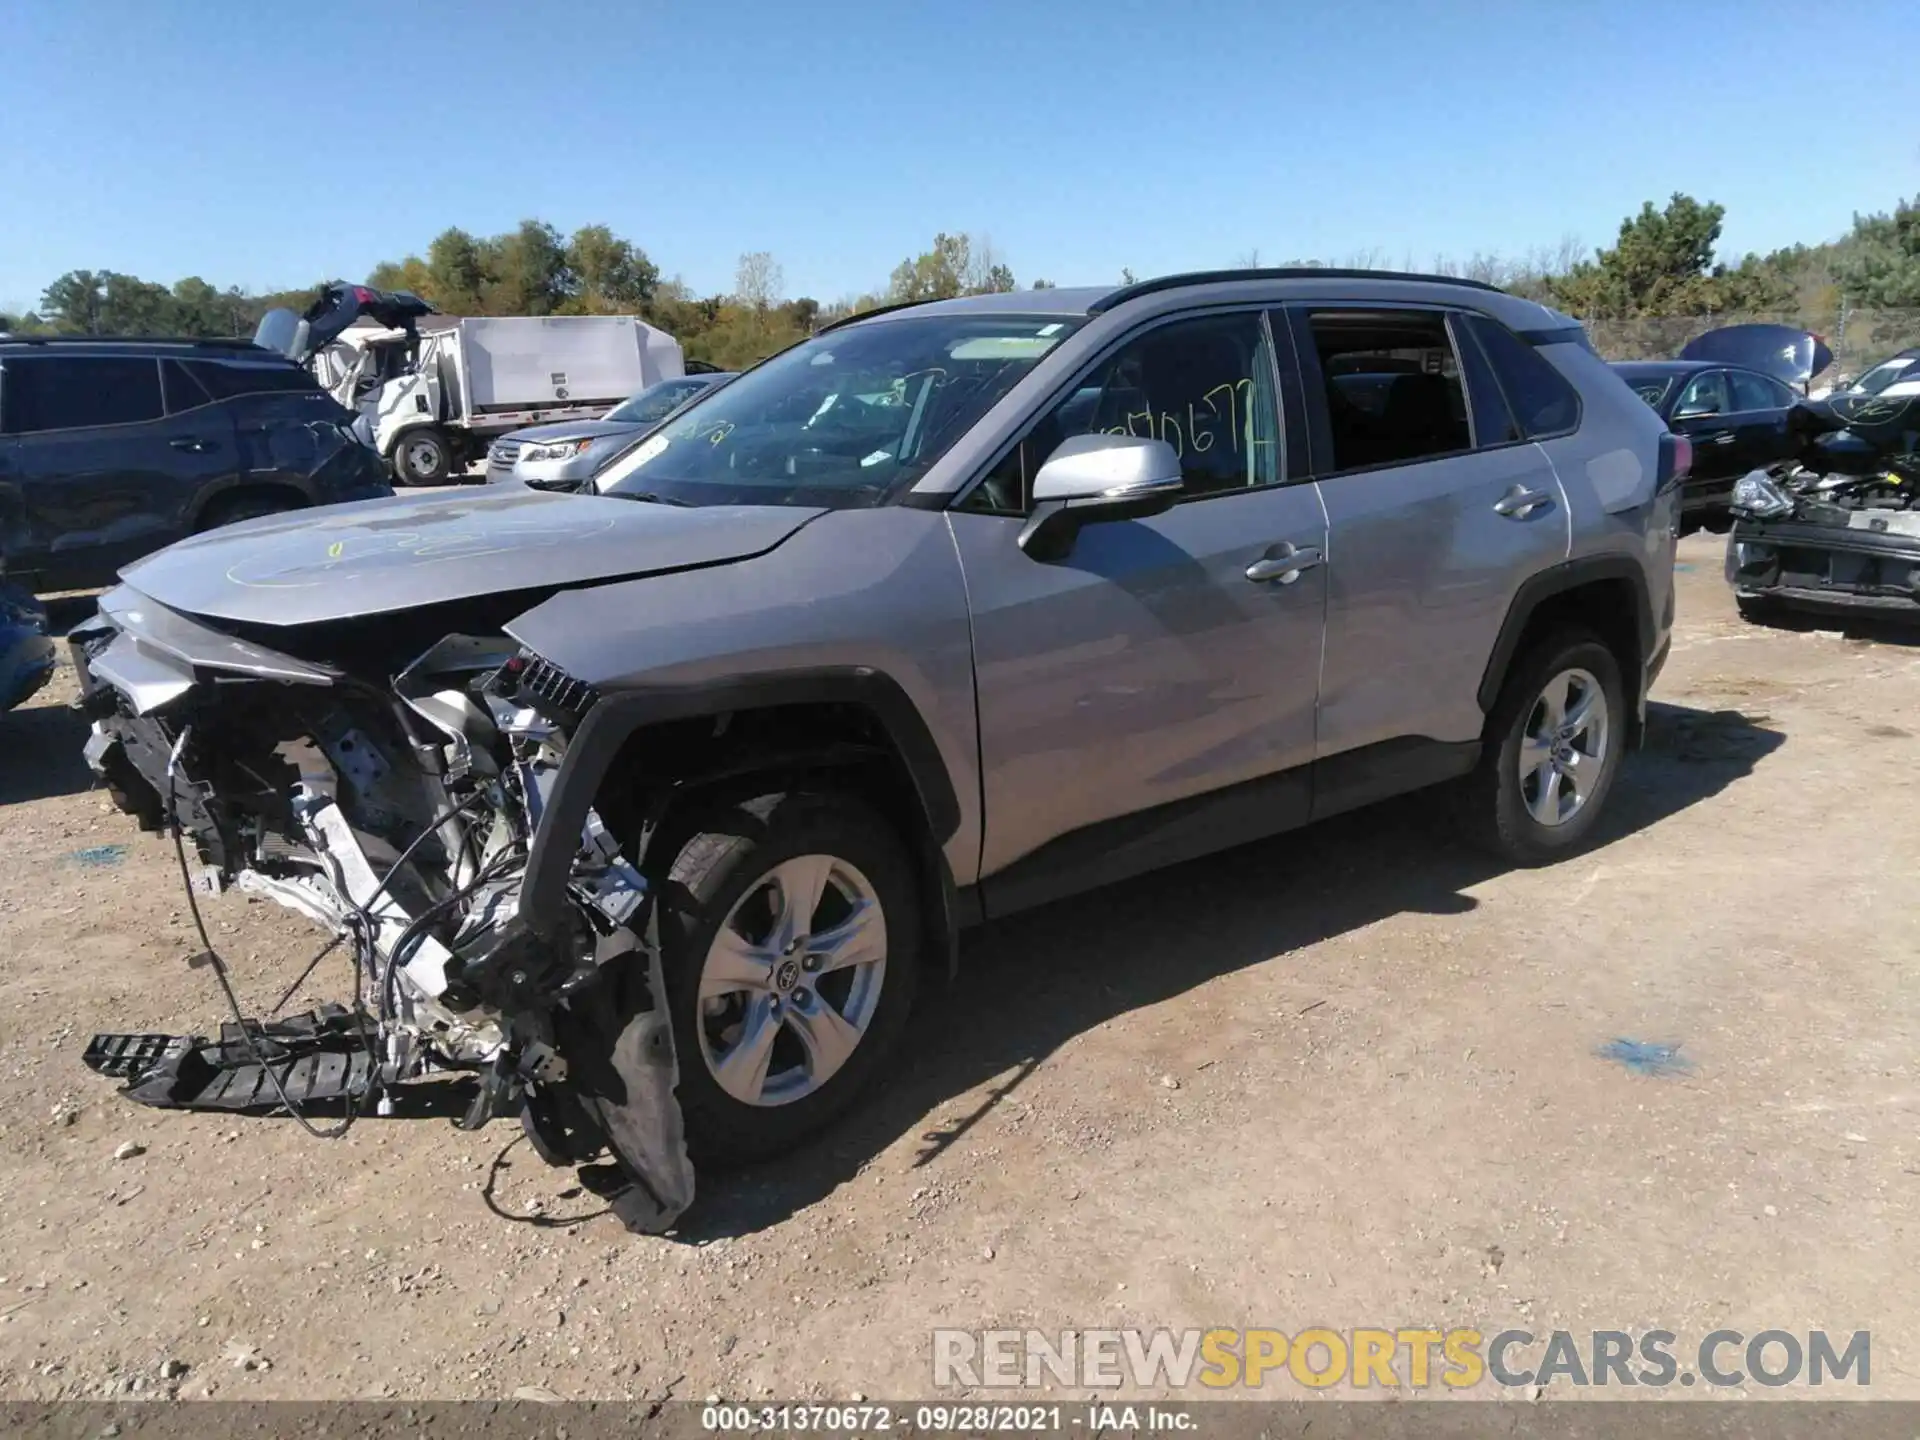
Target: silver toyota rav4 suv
{"type": "Point", "coordinates": [655, 804]}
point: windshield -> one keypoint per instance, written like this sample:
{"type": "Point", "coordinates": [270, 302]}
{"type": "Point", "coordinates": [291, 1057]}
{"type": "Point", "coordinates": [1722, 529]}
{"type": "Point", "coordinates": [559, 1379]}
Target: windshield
{"type": "Point", "coordinates": [656, 402]}
{"type": "Point", "coordinates": [841, 420]}
{"type": "Point", "coordinates": [1883, 375]}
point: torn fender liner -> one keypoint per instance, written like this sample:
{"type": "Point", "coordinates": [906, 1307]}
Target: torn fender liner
{"type": "Point", "coordinates": [318, 1056]}
{"type": "Point", "coordinates": [619, 1042]}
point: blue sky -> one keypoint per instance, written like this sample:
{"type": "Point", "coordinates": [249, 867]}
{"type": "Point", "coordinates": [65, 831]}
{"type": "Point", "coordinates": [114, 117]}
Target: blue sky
{"type": "Point", "coordinates": [275, 144]}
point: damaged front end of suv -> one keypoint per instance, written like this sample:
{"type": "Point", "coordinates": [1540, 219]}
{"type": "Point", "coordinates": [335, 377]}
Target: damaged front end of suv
{"type": "Point", "coordinates": [1838, 529]}
{"type": "Point", "coordinates": [331, 712]}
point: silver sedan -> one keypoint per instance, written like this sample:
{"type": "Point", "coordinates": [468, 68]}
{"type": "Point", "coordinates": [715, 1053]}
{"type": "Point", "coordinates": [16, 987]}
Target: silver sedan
{"type": "Point", "coordinates": [559, 454]}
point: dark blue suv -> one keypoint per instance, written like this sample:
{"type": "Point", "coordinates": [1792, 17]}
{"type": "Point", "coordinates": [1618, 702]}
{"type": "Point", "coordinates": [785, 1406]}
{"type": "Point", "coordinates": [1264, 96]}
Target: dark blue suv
{"type": "Point", "coordinates": [111, 449]}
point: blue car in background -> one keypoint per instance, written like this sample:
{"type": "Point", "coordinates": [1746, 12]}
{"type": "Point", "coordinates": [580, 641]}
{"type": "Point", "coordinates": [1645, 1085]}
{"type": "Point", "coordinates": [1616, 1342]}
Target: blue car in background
{"type": "Point", "coordinates": [26, 650]}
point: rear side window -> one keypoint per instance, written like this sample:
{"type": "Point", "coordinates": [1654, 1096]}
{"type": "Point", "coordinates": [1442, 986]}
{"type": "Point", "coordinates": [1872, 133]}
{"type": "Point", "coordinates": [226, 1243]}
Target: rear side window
{"type": "Point", "coordinates": [183, 391]}
{"type": "Point", "coordinates": [1706, 394]}
{"type": "Point", "coordinates": [225, 379]}
{"type": "Point", "coordinates": [1542, 399]}
{"type": "Point", "coordinates": [1393, 390]}
{"type": "Point", "coordinates": [1757, 392]}
{"type": "Point", "coordinates": [80, 392]}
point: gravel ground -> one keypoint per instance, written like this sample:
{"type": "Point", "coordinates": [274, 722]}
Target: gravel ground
{"type": "Point", "coordinates": [1344, 1078]}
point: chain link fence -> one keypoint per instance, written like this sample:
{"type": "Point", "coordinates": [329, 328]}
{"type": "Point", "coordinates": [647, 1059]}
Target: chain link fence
{"type": "Point", "coordinates": [1858, 337]}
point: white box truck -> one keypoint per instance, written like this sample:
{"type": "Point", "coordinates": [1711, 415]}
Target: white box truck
{"type": "Point", "coordinates": [432, 391]}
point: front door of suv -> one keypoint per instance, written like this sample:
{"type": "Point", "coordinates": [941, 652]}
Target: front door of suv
{"type": "Point", "coordinates": [1438, 508]}
{"type": "Point", "coordinates": [1148, 667]}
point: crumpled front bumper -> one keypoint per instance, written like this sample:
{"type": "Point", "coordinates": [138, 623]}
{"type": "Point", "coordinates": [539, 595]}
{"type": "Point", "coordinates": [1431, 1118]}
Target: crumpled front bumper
{"type": "Point", "coordinates": [1793, 561]}
{"type": "Point", "coordinates": [567, 1019]}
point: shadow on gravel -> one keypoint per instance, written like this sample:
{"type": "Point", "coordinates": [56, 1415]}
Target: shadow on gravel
{"type": "Point", "coordinates": [1029, 984]}
{"type": "Point", "coordinates": [1859, 627]}
{"type": "Point", "coordinates": [41, 742]}
{"type": "Point", "coordinates": [40, 752]}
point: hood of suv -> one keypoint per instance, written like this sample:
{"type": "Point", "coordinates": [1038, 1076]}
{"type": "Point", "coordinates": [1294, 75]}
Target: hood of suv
{"type": "Point", "coordinates": [343, 561]}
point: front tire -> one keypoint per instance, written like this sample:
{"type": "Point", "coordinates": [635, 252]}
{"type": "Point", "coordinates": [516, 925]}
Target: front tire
{"type": "Point", "coordinates": [422, 457]}
{"type": "Point", "coordinates": [1554, 745]}
{"type": "Point", "coordinates": [790, 942]}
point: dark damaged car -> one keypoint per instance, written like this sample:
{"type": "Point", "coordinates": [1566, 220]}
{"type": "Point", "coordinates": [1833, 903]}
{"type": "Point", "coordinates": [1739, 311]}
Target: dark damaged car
{"type": "Point", "coordinates": [654, 805]}
{"type": "Point", "coordinates": [1729, 393]}
{"type": "Point", "coordinates": [1838, 529]}
{"type": "Point", "coordinates": [112, 448]}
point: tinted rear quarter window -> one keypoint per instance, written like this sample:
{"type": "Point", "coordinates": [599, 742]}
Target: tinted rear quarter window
{"type": "Point", "coordinates": [1542, 398]}
{"type": "Point", "coordinates": [80, 392]}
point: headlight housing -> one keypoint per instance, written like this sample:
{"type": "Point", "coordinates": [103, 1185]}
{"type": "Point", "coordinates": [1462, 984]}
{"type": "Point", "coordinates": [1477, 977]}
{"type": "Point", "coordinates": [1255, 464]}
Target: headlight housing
{"type": "Point", "coordinates": [558, 450]}
{"type": "Point", "coordinates": [1758, 496]}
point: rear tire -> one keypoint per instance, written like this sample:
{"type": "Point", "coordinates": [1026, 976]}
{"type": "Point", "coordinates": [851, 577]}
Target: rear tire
{"type": "Point", "coordinates": [1554, 745]}
{"type": "Point", "coordinates": [422, 457]}
{"type": "Point", "coordinates": [825, 1028]}
{"type": "Point", "coordinates": [1757, 609]}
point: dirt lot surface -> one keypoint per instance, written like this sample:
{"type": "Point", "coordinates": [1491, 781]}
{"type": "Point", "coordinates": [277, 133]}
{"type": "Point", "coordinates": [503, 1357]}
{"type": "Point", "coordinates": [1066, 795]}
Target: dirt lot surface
{"type": "Point", "coordinates": [1345, 1078]}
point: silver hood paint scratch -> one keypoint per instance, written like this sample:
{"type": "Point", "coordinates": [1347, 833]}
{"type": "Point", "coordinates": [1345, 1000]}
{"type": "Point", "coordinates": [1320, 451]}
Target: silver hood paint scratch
{"type": "Point", "coordinates": [378, 556]}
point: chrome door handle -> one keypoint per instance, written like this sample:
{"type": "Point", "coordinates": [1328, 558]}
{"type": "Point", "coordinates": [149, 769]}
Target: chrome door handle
{"type": "Point", "coordinates": [1284, 563]}
{"type": "Point", "coordinates": [1724, 437]}
{"type": "Point", "coordinates": [1519, 503]}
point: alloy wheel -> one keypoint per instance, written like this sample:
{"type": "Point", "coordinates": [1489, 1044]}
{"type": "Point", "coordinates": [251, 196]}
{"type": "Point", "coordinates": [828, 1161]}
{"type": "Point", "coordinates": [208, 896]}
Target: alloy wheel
{"type": "Point", "coordinates": [1563, 750]}
{"type": "Point", "coordinates": [792, 980]}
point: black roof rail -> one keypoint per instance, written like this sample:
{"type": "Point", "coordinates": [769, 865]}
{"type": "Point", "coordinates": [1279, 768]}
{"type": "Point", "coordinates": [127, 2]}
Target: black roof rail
{"type": "Point", "coordinates": [869, 314]}
{"type": "Point", "coordinates": [210, 342]}
{"type": "Point", "coordinates": [1286, 272]}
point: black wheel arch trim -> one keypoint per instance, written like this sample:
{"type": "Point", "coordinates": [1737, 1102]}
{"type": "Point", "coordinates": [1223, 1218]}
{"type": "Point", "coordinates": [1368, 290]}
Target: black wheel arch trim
{"type": "Point", "coordinates": [1541, 587]}
{"type": "Point", "coordinates": [609, 724]}
{"type": "Point", "coordinates": [219, 492]}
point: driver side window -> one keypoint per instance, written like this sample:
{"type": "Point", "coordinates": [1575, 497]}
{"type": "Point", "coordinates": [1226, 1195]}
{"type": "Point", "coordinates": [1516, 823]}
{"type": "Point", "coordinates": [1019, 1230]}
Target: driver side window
{"type": "Point", "coordinates": [1204, 386]}
{"type": "Point", "coordinates": [1706, 394]}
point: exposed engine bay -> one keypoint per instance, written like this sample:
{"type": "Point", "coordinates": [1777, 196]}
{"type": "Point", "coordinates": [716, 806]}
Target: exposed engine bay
{"type": "Point", "coordinates": [1839, 525]}
{"type": "Point", "coordinates": [398, 807]}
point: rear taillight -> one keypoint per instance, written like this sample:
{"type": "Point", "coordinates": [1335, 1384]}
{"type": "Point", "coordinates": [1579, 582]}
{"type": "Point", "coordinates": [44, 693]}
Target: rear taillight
{"type": "Point", "coordinates": [1676, 459]}
{"type": "Point", "coordinates": [363, 295]}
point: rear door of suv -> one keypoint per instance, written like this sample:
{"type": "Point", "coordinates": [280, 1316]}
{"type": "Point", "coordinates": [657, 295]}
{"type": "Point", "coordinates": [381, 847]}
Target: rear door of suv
{"type": "Point", "coordinates": [1439, 507]}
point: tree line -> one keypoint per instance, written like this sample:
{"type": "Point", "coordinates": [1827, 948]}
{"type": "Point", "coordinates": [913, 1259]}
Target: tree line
{"type": "Point", "coordinates": [1664, 261]}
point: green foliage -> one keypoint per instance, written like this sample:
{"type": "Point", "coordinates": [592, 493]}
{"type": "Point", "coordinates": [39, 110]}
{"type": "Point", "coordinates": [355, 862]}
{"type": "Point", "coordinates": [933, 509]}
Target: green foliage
{"type": "Point", "coordinates": [105, 302]}
{"type": "Point", "coordinates": [1660, 264]}
{"type": "Point", "coordinates": [1882, 266]}
{"type": "Point", "coordinates": [956, 265]}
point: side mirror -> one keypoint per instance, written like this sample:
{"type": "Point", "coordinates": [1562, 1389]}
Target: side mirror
{"type": "Point", "coordinates": [1091, 479]}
